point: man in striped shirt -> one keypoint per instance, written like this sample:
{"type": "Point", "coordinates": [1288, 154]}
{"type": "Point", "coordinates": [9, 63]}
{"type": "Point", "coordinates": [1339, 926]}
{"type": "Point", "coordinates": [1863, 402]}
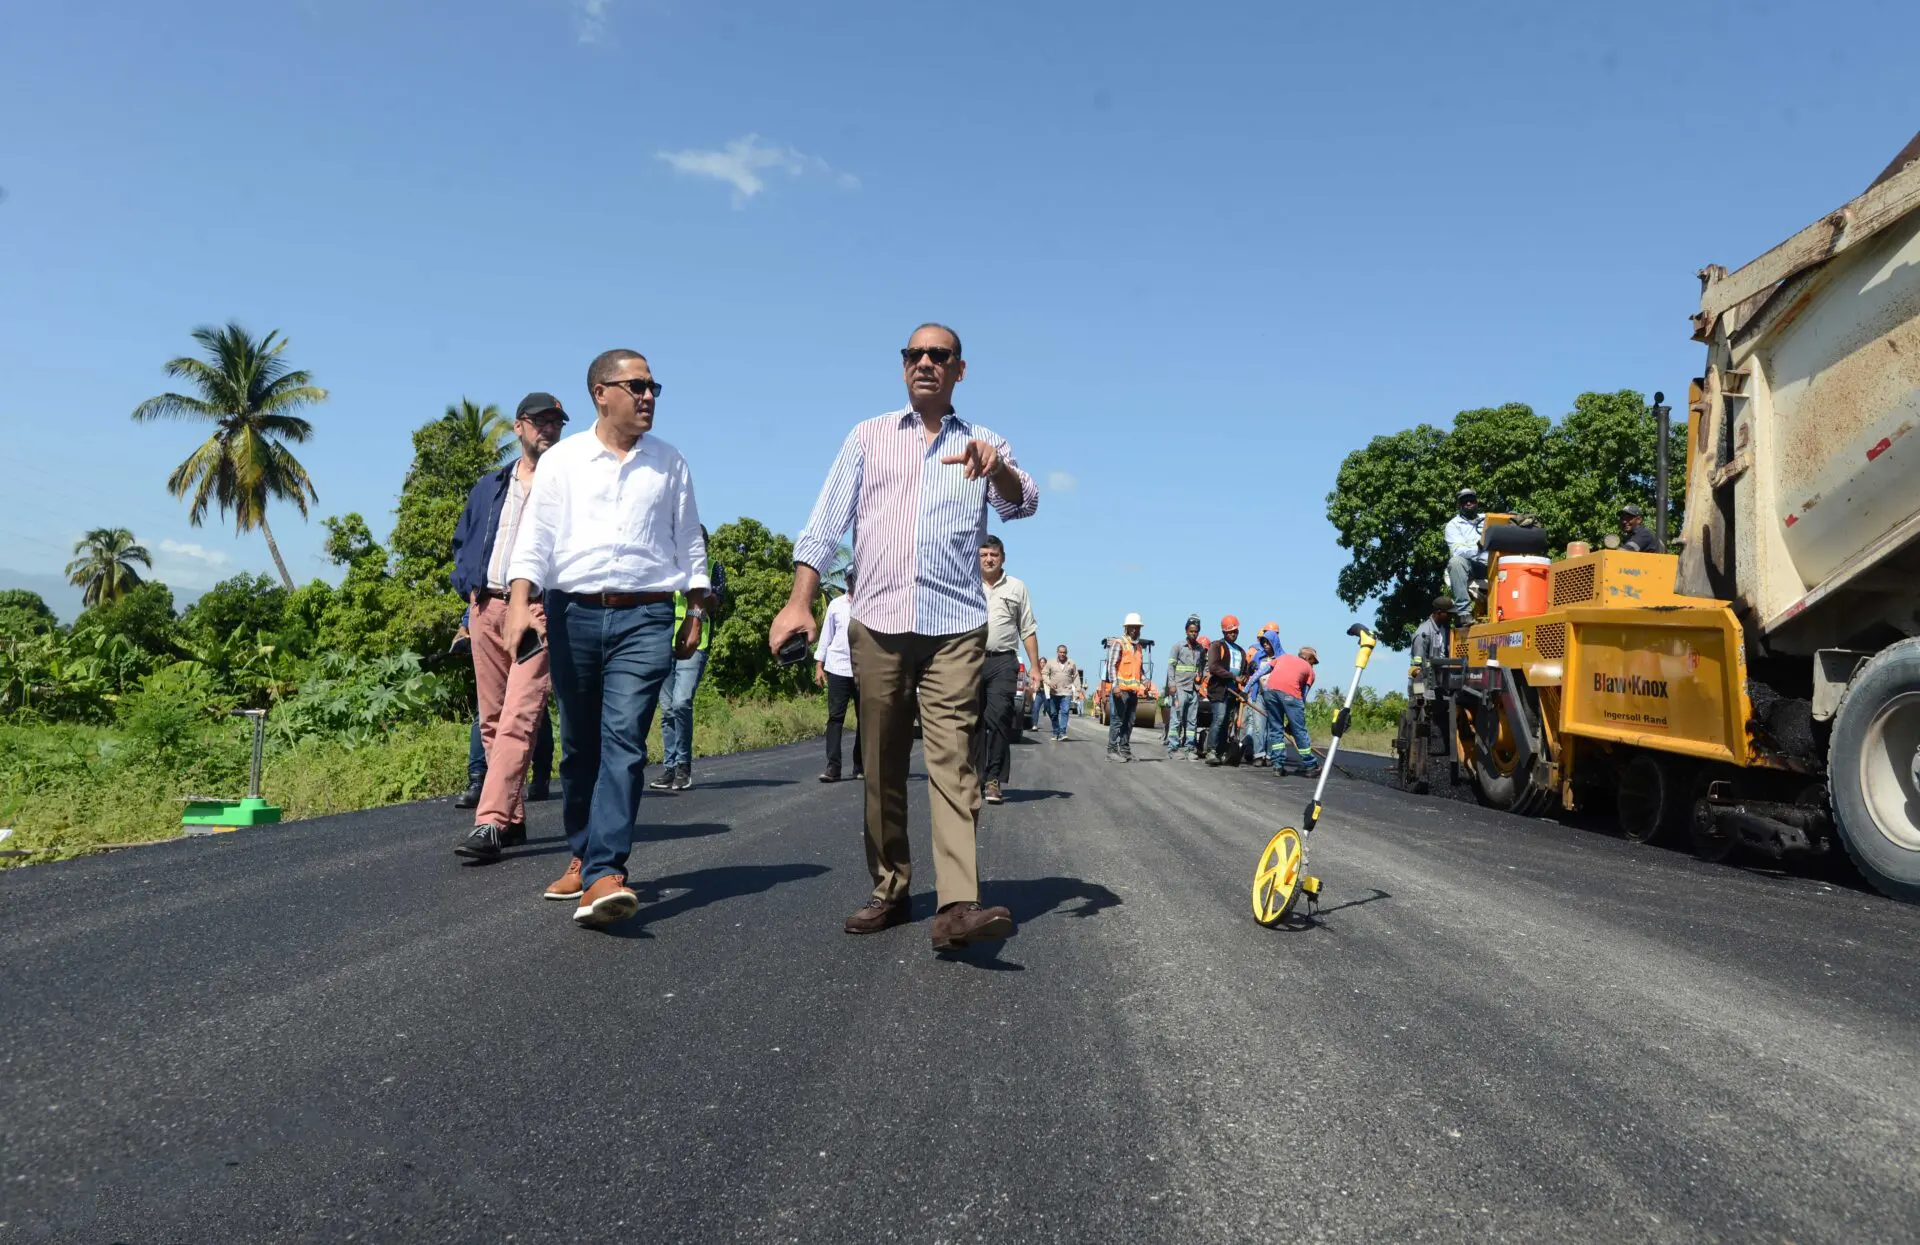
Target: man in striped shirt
{"type": "Point", "coordinates": [914, 485]}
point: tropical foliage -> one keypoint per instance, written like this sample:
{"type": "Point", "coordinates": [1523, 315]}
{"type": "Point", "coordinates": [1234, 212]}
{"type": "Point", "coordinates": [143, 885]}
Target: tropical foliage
{"type": "Point", "coordinates": [250, 394]}
{"type": "Point", "coordinates": [103, 564]}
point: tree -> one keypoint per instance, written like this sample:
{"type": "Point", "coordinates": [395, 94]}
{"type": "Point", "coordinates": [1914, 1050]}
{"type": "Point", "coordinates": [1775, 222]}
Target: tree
{"type": "Point", "coordinates": [245, 605]}
{"type": "Point", "coordinates": [759, 566]}
{"type": "Point", "coordinates": [1391, 500]}
{"type": "Point", "coordinates": [449, 457]}
{"type": "Point", "coordinates": [250, 394]}
{"type": "Point", "coordinates": [23, 611]}
{"type": "Point", "coordinates": [104, 565]}
{"type": "Point", "coordinates": [144, 617]}
{"type": "Point", "coordinates": [833, 581]}
{"type": "Point", "coordinates": [482, 426]}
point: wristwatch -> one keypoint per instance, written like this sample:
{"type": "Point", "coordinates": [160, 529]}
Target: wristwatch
{"type": "Point", "coordinates": [694, 611]}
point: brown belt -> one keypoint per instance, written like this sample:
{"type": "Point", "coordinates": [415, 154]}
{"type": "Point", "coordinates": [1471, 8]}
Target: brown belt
{"type": "Point", "coordinates": [492, 594]}
{"type": "Point", "coordinates": [615, 600]}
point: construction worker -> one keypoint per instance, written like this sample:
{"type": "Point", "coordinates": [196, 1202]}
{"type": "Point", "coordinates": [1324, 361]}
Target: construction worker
{"type": "Point", "coordinates": [1132, 671]}
{"type": "Point", "coordinates": [1634, 532]}
{"type": "Point", "coordinates": [1466, 560]}
{"type": "Point", "coordinates": [1432, 638]}
{"type": "Point", "coordinates": [1224, 664]}
{"type": "Point", "coordinates": [1259, 659]}
{"type": "Point", "coordinates": [1184, 668]}
{"type": "Point", "coordinates": [1289, 681]}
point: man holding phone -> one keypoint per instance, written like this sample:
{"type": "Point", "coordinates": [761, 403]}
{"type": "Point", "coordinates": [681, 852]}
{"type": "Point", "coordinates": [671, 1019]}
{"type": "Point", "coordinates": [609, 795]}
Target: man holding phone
{"type": "Point", "coordinates": [915, 485]}
{"type": "Point", "coordinates": [611, 534]}
{"type": "Point", "coordinates": [512, 682]}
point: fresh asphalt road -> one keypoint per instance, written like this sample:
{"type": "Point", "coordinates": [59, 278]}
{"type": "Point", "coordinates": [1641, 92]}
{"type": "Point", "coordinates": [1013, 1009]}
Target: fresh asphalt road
{"type": "Point", "coordinates": [1497, 1029]}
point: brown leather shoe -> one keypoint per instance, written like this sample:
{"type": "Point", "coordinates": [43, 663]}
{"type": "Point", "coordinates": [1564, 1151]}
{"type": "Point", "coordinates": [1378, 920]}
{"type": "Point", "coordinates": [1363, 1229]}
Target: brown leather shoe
{"type": "Point", "coordinates": [878, 914]}
{"type": "Point", "coordinates": [608, 900]}
{"type": "Point", "coordinates": [959, 924]}
{"type": "Point", "coordinates": [992, 795]}
{"type": "Point", "coordinates": [567, 885]}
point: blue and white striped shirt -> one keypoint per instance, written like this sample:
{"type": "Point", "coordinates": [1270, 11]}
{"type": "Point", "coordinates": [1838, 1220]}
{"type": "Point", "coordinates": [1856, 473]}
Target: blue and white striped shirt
{"type": "Point", "coordinates": [917, 523]}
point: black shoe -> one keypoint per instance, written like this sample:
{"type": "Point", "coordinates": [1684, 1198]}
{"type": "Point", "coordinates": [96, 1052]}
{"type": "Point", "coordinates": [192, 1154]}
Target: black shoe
{"type": "Point", "coordinates": [664, 782]}
{"type": "Point", "coordinates": [515, 835]}
{"type": "Point", "coordinates": [832, 775]}
{"type": "Point", "coordinates": [482, 843]}
{"type": "Point", "coordinates": [859, 774]}
{"type": "Point", "coordinates": [470, 798]}
{"type": "Point", "coordinates": [683, 778]}
{"type": "Point", "coordinates": [537, 791]}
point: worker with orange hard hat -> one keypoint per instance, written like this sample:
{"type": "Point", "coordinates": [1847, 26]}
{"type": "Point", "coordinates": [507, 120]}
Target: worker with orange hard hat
{"type": "Point", "coordinates": [1225, 658]}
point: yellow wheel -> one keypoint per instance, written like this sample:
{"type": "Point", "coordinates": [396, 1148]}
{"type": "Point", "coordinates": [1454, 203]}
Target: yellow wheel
{"type": "Point", "coordinates": [1276, 883]}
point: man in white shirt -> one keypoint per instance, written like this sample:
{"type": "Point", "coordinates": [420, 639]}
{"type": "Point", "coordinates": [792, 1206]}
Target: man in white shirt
{"type": "Point", "coordinates": [1465, 558]}
{"type": "Point", "coordinates": [833, 670]}
{"type": "Point", "coordinates": [611, 532]}
{"type": "Point", "coordinates": [1009, 624]}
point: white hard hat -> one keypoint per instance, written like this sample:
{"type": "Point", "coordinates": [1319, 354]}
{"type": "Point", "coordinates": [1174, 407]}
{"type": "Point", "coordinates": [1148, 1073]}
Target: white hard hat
{"type": "Point", "coordinates": [1133, 620]}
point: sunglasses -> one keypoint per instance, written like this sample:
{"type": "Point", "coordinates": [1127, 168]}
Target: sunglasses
{"type": "Point", "coordinates": [639, 387]}
{"type": "Point", "coordinates": [935, 354]}
{"type": "Point", "coordinates": [555, 418]}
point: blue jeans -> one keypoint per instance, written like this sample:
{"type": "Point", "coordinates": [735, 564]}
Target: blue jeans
{"type": "Point", "coordinates": [1289, 714]}
{"type": "Point", "coordinates": [1258, 726]}
{"type": "Point", "coordinates": [1182, 709]}
{"type": "Point", "coordinates": [676, 724]}
{"type": "Point", "coordinates": [1056, 707]}
{"type": "Point", "coordinates": [542, 751]}
{"type": "Point", "coordinates": [609, 667]}
{"type": "Point", "coordinates": [1121, 707]}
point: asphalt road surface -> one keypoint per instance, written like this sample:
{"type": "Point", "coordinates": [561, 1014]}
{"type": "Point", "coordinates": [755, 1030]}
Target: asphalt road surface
{"type": "Point", "coordinates": [1497, 1030]}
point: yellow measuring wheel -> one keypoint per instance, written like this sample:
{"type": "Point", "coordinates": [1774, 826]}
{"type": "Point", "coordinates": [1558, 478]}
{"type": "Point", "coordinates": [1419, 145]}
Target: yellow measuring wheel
{"type": "Point", "coordinates": [1281, 876]}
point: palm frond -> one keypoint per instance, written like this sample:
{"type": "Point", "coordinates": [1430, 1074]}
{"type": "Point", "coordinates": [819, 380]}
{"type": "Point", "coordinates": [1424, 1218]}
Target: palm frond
{"type": "Point", "coordinates": [175, 406]}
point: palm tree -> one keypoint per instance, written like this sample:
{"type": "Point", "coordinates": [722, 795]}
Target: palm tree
{"type": "Point", "coordinates": [249, 393]}
{"type": "Point", "coordinates": [834, 582]}
{"type": "Point", "coordinates": [485, 425]}
{"type": "Point", "coordinates": [104, 567]}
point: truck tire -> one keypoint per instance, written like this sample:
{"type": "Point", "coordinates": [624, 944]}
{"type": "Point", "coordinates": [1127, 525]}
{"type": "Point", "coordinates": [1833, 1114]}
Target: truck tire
{"type": "Point", "coordinates": [1873, 771]}
{"type": "Point", "coordinates": [1652, 798]}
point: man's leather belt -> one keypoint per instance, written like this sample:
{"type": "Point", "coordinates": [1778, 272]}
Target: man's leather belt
{"type": "Point", "coordinates": [615, 600]}
{"type": "Point", "coordinates": [492, 594]}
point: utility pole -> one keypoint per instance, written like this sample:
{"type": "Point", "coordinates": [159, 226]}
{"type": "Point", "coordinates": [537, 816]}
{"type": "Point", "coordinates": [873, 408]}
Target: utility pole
{"type": "Point", "coordinates": [1660, 413]}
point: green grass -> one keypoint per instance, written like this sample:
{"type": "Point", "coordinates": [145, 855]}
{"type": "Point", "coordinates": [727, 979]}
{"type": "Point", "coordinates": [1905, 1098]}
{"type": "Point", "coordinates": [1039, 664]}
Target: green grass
{"type": "Point", "coordinates": [68, 790]}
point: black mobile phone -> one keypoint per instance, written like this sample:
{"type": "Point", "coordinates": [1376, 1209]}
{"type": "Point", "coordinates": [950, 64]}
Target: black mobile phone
{"type": "Point", "coordinates": [794, 651]}
{"type": "Point", "coordinates": [532, 644]}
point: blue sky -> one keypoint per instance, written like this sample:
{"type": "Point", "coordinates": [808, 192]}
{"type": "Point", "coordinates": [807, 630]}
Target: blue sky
{"type": "Point", "coordinates": [1197, 254]}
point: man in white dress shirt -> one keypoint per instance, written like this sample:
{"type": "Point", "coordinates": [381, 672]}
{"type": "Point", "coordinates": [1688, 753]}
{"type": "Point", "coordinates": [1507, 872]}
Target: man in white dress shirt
{"type": "Point", "coordinates": [610, 534]}
{"type": "Point", "coordinates": [833, 670]}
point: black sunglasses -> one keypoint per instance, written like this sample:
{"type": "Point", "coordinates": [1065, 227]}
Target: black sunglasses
{"type": "Point", "coordinates": [556, 418]}
{"type": "Point", "coordinates": [638, 387]}
{"type": "Point", "coordinates": [937, 354]}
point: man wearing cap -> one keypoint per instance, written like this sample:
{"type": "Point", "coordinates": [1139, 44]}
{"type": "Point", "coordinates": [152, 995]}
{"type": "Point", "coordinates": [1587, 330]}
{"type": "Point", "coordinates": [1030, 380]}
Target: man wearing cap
{"type": "Point", "coordinates": [1466, 560]}
{"type": "Point", "coordinates": [1634, 532]}
{"type": "Point", "coordinates": [1183, 703]}
{"type": "Point", "coordinates": [1289, 682]}
{"type": "Point", "coordinates": [1432, 638]}
{"type": "Point", "coordinates": [1225, 662]}
{"type": "Point", "coordinates": [612, 532]}
{"type": "Point", "coordinates": [513, 694]}
{"type": "Point", "coordinates": [1132, 672]}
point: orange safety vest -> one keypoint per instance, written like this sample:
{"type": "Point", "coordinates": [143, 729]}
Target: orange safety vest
{"type": "Point", "coordinates": [1126, 668]}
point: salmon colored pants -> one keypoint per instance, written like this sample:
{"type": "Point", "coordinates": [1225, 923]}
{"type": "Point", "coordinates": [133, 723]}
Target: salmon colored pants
{"type": "Point", "coordinates": [512, 696]}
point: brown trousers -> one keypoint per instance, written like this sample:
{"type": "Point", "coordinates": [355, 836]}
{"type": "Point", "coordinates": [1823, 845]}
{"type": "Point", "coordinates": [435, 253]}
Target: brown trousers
{"type": "Point", "coordinates": [945, 669]}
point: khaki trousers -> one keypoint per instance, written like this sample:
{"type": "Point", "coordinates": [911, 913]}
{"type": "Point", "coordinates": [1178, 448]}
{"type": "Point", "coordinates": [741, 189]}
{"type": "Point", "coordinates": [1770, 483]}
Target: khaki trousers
{"type": "Point", "coordinates": [512, 695]}
{"type": "Point", "coordinates": [945, 669]}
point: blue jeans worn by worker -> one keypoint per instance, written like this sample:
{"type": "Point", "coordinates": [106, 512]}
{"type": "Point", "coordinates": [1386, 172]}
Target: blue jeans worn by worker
{"type": "Point", "coordinates": [1257, 725]}
{"type": "Point", "coordinates": [1121, 709]}
{"type": "Point", "coordinates": [1289, 714]}
{"type": "Point", "coordinates": [610, 666]}
{"type": "Point", "coordinates": [1182, 708]}
{"type": "Point", "coordinates": [1056, 707]}
{"type": "Point", "coordinates": [1462, 570]}
{"type": "Point", "coordinates": [676, 724]}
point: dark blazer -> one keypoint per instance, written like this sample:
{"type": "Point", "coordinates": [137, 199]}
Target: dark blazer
{"type": "Point", "coordinates": [473, 535]}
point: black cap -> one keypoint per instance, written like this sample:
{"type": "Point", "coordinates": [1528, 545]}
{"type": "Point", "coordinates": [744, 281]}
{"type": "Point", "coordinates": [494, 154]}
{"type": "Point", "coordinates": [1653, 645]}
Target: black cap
{"type": "Point", "coordinates": [1443, 603]}
{"type": "Point", "coordinates": [534, 403]}
{"type": "Point", "coordinates": [1466, 492]}
{"type": "Point", "coordinates": [1631, 509]}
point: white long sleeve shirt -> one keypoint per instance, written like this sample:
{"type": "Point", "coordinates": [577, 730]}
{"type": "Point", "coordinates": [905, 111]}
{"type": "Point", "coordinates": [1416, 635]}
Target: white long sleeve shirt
{"type": "Point", "coordinates": [1463, 535]}
{"type": "Point", "coordinates": [601, 521]}
{"type": "Point", "coordinates": [832, 652]}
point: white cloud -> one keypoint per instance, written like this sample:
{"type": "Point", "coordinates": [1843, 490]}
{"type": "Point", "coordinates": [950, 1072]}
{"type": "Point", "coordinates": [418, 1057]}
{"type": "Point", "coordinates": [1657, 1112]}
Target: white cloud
{"type": "Point", "coordinates": [742, 162]}
{"type": "Point", "coordinates": [590, 19]}
{"type": "Point", "coordinates": [1061, 482]}
{"type": "Point", "coordinates": [194, 553]}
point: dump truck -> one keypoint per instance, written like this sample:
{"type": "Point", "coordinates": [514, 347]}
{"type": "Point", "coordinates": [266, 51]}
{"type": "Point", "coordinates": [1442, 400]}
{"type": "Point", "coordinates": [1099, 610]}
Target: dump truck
{"type": "Point", "coordinates": [1760, 689]}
